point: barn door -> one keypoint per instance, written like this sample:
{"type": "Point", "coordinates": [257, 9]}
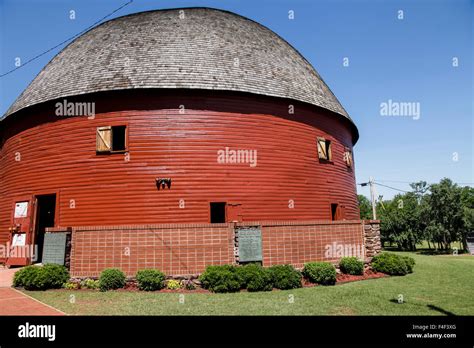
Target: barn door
{"type": "Point", "coordinates": [21, 251]}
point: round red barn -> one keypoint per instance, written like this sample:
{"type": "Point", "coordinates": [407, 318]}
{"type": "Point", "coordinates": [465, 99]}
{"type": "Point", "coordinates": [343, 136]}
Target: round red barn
{"type": "Point", "coordinates": [174, 128]}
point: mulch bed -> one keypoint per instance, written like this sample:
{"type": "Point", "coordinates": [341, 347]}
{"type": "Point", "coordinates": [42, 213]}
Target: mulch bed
{"type": "Point", "coordinates": [342, 278]}
{"type": "Point", "coordinates": [132, 286]}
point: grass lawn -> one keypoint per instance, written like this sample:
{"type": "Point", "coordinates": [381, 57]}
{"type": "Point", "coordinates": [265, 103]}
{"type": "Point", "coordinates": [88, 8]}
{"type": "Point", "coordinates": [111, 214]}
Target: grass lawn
{"type": "Point", "coordinates": [440, 285]}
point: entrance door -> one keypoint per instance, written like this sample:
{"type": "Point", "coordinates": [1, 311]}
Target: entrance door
{"type": "Point", "coordinates": [45, 215]}
{"type": "Point", "coordinates": [21, 248]}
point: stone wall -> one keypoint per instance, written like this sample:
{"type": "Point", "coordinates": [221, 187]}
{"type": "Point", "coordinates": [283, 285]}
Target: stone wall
{"type": "Point", "coordinates": [373, 245]}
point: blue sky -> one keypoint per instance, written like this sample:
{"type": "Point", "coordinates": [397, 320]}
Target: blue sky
{"type": "Point", "coordinates": [403, 60]}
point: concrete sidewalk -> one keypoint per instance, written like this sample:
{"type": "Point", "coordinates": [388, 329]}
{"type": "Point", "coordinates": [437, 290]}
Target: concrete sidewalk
{"type": "Point", "coordinates": [14, 302]}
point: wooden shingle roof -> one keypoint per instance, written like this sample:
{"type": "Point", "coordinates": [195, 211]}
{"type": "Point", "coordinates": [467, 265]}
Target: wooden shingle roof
{"type": "Point", "coordinates": [207, 49]}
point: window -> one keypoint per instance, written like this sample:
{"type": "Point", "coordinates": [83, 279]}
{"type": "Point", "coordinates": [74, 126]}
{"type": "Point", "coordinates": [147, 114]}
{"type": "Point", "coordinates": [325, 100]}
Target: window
{"type": "Point", "coordinates": [348, 157]}
{"type": "Point", "coordinates": [334, 211]}
{"type": "Point", "coordinates": [338, 212]}
{"type": "Point", "coordinates": [218, 212]}
{"type": "Point", "coordinates": [111, 139]}
{"type": "Point", "coordinates": [324, 149]}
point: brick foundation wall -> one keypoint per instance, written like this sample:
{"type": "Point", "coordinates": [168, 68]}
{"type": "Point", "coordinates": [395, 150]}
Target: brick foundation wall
{"type": "Point", "coordinates": [186, 249]}
{"type": "Point", "coordinates": [174, 249]}
{"type": "Point", "coordinates": [299, 242]}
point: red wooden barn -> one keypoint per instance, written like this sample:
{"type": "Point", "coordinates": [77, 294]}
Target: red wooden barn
{"type": "Point", "coordinates": [175, 139]}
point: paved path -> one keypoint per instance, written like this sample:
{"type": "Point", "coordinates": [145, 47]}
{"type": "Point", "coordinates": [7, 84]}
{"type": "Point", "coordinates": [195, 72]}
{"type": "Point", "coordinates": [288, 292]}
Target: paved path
{"type": "Point", "coordinates": [14, 302]}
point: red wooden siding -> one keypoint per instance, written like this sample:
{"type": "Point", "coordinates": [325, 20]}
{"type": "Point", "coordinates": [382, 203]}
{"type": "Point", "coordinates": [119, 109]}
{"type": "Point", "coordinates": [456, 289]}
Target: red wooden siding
{"type": "Point", "coordinates": [58, 156]}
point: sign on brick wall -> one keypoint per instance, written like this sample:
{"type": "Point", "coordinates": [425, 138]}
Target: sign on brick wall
{"type": "Point", "coordinates": [54, 248]}
{"type": "Point", "coordinates": [250, 244]}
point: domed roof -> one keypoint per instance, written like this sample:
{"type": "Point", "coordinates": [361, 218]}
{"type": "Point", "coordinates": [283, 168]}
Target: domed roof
{"type": "Point", "coordinates": [207, 49]}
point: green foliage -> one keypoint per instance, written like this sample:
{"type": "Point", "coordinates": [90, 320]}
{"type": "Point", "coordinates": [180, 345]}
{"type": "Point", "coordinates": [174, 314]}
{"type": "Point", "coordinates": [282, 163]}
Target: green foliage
{"type": "Point", "coordinates": [285, 277]}
{"type": "Point", "coordinates": [45, 277]}
{"type": "Point", "coordinates": [393, 264]}
{"type": "Point", "coordinates": [255, 278]}
{"type": "Point", "coordinates": [323, 273]}
{"type": "Point", "coordinates": [111, 279]}
{"type": "Point", "coordinates": [224, 278]}
{"type": "Point", "coordinates": [90, 284]}
{"type": "Point", "coordinates": [409, 262]}
{"type": "Point", "coordinates": [365, 207]}
{"type": "Point", "coordinates": [351, 265]}
{"type": "Point", "coordinates": [440, 214]}
{"type": "Point", "coordinates": [23, 276]}
{"type": "Point", "coordinates": [150, 279]}
{"type": "Point", "coordinates": [173, 284]}
{"type": "Point", "coordinates": [71, 286]}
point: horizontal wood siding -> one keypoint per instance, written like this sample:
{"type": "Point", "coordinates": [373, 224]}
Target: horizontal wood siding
{"type": "Point", "coordinates": [59, 155]}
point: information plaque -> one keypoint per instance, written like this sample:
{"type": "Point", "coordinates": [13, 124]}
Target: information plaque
{"type": "Point", "coordinates": [250, 244]}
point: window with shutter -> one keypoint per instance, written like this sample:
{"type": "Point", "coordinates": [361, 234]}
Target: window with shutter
{"type": "Point", "coordinates": [104, 139]}
{"type": "Point", "coordinates": [348, 157]}
{"type": "Point", "coordinates": [324, 149]}
{"type": "Point", "coordinates": [111, 139]}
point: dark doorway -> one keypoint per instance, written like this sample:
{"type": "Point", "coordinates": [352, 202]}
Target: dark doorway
{"type": "Point", "coordinates": [218, 212]}
{"type": "Point", "coordinates": [45, 213]}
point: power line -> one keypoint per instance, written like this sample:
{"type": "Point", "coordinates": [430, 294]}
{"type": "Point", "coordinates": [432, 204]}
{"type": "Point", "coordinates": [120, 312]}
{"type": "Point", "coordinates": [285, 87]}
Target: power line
{"type": "Point", "coordinates": [69, 39]}
{"type": "Point", "coordinates": [390, 187]}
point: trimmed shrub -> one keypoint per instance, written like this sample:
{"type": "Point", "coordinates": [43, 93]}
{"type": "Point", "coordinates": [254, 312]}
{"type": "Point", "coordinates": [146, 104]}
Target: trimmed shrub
{"type": "Point", "coordinates": [224, 278]}
{"type": "Point", "coordinates": [173, 284]}
{"type": "Point", "coordinates": [90, 284]}
{"type": "Point", "coordinates": [323, 273]}
{"type": "Point", "coordinates": [255, 278]}
{"type": "Point", "coordinates": [25, 277]}
{"type": "Point", "coordinates": [150, 279]}
{"type": "Point", "coordinates": [285, 277]}
{"type": "Point", "coordinates": [393, 264]}
{"type": "Point", "coordinates": [410, 262]}
{"type": "Point", "coordinates": [111, 279]}
{"type": "Point", "coordinates": [351, 265]}
{"type": "Point", "coordinates": [49, 276]}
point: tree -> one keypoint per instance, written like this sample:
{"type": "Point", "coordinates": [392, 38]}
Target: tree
{"type": "Point", "coordinates": [445, 214]}
{"type": "Point", "coordinates": [365, 207]}
{"type": "Point", "coordinates": [401, 222]}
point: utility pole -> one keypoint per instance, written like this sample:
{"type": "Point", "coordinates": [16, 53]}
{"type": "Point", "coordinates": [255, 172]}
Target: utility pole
{"type": "Point", "coordinates": [372, 197]}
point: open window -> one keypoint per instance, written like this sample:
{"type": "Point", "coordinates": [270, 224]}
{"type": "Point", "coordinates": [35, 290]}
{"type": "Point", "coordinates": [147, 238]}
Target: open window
{"type": "Point", "coordinates": [218, 212]}
{"type": "Point", "coordinates": [338, 212]}
{"type": "Point", "coordinates": [324, 149]}
{"type": "Point", "coordinates": [111, 139]}
{"type": "Point", "coordinates": [348, 157]}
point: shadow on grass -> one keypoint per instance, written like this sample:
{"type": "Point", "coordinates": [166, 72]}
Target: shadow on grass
{"type": "Point", "coordinates": [440, 310]}
{"type": "Point", "coordinates": [430, 306]}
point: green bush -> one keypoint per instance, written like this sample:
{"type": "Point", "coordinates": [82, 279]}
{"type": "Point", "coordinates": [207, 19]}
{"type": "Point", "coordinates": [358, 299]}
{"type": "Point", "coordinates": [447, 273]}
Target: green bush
{"type": "Point", "coordinates": [323, 273]}
{"type": "Point", "coordinates": [150, 279]}
{"type": "Point", "coordinates": [393, 264]}
{"type": "Point", "coordinates": [351, 265]}
{"type": "Point", "coordinates": [90, 284]}
{"type": "Point", "coordinates": [410, 262]}
{"type": "Point", "coordinates": [224, 278]}
{"type": "Point", "coordinates": [285, 277]}
{"type": "Point", "coordinates": [111, 279]}
{"type": "Point", "coordinates": [49, 276]}
{"type": "Point", "coordinates": [255, 278]}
